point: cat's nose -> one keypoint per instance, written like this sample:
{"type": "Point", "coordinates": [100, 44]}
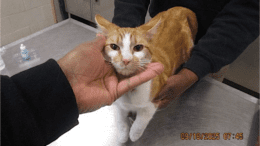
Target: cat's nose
{"type": "Point", "coordinates": [126, 61]}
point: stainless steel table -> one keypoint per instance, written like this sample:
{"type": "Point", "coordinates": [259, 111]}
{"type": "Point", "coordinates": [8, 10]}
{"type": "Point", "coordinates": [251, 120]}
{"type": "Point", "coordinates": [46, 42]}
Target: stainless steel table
{"type": "Point", "coordinates": [209, 113]}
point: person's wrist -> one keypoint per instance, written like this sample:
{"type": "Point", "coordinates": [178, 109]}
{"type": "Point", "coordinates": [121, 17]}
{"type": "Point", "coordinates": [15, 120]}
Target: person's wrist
{"type": "Point", "coordinates": [63, 66]}
{"type": "Point", "coordinates": [184, 80]}
{"type": "Point", "coordinates": [189, 75]}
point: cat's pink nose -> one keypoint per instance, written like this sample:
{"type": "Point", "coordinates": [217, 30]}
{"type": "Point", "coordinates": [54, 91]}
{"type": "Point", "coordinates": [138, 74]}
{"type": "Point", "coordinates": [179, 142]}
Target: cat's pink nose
{"type": "Point", "coordinates": [126, 61]}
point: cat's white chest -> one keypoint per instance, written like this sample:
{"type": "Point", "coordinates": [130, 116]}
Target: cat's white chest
{"type": "Point", "coordinates": [137, 98]}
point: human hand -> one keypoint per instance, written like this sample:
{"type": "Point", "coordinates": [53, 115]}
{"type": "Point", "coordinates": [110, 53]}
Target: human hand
{"type": "Point", "coordinates": [176, 85]}
{"type": "Point", "coordinates": [93, 81]}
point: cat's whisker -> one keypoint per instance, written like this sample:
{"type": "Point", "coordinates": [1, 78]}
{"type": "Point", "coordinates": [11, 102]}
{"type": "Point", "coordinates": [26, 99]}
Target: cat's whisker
{"type": "Point", "coordinates": [141, 68]}
{"type": "Point", "coordinates": [143, 64]}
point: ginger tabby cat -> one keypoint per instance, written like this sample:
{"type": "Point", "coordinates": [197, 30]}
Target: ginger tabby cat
{"type": "Point", "coordinates": [167, 38]}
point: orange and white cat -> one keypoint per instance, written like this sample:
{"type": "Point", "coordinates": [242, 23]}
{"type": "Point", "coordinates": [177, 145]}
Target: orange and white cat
{"type": "Point", "coordinates": [167, 38]}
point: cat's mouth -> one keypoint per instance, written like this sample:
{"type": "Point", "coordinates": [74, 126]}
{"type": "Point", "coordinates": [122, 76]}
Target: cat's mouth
{"type": "Point", "coordinates": [126, 71]}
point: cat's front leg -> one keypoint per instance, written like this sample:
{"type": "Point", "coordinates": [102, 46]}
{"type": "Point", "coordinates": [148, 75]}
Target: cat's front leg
{"type": "Point", "coordinates": [122, 124]}
{"type": "Point", "coordinates": [143, 118]}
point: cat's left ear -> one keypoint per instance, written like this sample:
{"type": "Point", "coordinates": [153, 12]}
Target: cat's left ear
{"type": "Point", "coordinates": [154, 29]}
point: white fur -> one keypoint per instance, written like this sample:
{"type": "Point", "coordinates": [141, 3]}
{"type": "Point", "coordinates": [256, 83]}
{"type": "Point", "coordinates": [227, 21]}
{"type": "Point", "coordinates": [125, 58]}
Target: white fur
{"type": "Point", "coordinates": [134, 101]}
{"type": "Point", "coordinates": [112, 54]}
{"type": "Point", "coordinates": [125, 50]}
{"type": "Point", "coordinates": [139, 54]}
{"type": "Point", "coordinates": [138, 98]}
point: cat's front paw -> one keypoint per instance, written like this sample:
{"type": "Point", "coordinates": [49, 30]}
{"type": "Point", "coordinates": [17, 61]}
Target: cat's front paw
{"type": "Point", "coordinates": [135, 134]}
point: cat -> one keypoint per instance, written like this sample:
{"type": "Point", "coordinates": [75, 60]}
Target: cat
{"type": "Point", "coordinates": [167, 38]}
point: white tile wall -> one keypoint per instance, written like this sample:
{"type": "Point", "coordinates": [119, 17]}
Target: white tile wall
{"type": "Point", "coordinates": [20, 18]}
{"type": "Point", "coordinates": [10, 7]}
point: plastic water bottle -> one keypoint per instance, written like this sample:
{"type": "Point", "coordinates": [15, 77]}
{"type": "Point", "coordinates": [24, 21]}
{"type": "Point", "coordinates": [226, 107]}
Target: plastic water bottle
{"type": "Point", "coordinates": [24, 53]}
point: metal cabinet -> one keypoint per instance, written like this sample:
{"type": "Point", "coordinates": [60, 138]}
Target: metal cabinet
{"type": "Point", "coordinates": [103, 7]}
{"type": "Point", "coordinates": [80, 8]}
{"type": "Point", "coordinates": [87, 9]}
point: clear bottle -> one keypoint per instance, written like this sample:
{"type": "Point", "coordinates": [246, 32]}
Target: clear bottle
{"type": "Point", "coordinates": [24, 53]}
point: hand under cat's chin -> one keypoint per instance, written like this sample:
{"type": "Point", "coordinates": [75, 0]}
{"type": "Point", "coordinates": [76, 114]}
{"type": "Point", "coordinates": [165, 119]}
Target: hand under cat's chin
{"type": "Point", "coordinates": [126, 73]}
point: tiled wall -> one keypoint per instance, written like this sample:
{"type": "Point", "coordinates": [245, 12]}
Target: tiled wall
{"type": "Point", "coordinates": [20, 18]}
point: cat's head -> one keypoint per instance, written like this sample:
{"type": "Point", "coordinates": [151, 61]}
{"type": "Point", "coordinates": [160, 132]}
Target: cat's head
{"type": "Point", "coordinates": [127, 49]}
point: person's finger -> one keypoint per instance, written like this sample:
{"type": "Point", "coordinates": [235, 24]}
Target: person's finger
{"type": "Point", "coordinates": [153, 70]}
{"type": "Point", "coordinates": [161, 94]}
{"type": "Point", "coordinates": [164, 103]}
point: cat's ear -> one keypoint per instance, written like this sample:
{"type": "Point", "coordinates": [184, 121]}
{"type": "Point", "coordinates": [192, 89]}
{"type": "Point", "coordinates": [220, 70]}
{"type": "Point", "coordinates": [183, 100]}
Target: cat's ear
{"type": "Point", "coordinates": [154, 29]}
{"type": "Point", "coordinates": [103, 24]}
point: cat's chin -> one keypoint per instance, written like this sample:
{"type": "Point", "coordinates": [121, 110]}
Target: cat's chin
{"type": "Point", "coordinates": [127, 73]}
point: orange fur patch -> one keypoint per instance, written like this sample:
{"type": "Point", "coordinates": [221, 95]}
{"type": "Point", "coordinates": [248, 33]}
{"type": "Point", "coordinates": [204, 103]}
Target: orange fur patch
{"type": "Point", "coordinates": [168, 38]}
{"type": "Point", "coordinates": [173, 42]}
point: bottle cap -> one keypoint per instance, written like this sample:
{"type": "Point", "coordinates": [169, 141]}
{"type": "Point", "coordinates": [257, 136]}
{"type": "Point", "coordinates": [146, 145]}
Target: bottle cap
{"type": "Point", "coordinates": [22, 47]}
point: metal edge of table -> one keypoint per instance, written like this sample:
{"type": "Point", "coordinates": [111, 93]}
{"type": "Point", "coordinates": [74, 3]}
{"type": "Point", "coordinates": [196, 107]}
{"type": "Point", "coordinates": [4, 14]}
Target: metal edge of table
{"type": "Point", "coordinates": [233, 90]}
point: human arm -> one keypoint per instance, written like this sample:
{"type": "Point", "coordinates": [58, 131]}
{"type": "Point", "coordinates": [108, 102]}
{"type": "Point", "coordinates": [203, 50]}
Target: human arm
{"type": "Point", "coordinates": [38, 105]}
{"type": "Point", "coordinates": [234, 28]}
{"type": "Point", "coordinates": [130, 13]}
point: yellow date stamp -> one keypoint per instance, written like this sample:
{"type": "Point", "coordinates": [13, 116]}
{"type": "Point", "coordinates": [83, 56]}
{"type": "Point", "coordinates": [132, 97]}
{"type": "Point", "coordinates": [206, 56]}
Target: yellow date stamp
{"type": "Point", "coordinates": [211, 136]}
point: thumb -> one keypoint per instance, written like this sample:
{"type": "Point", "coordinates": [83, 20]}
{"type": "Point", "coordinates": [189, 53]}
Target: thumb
{"type": "Point", "coordinates": [153, 70]}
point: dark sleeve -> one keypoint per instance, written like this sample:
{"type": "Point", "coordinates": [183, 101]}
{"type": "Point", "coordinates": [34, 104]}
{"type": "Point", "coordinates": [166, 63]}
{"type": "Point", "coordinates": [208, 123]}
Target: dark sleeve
{"type": "Point", "coordinates": [235, 27]}
{"type": "Point", "coordinates": [130, 13]}
{"type": "Point", "coordinates": [37, 106]}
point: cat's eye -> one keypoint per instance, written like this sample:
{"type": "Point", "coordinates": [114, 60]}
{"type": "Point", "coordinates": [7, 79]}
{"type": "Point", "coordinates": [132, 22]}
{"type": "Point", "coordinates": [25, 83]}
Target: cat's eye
{"type": "Point", "coordinates": [114, 47]}
{"type": "Point", "coordinates": [138, 48]}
